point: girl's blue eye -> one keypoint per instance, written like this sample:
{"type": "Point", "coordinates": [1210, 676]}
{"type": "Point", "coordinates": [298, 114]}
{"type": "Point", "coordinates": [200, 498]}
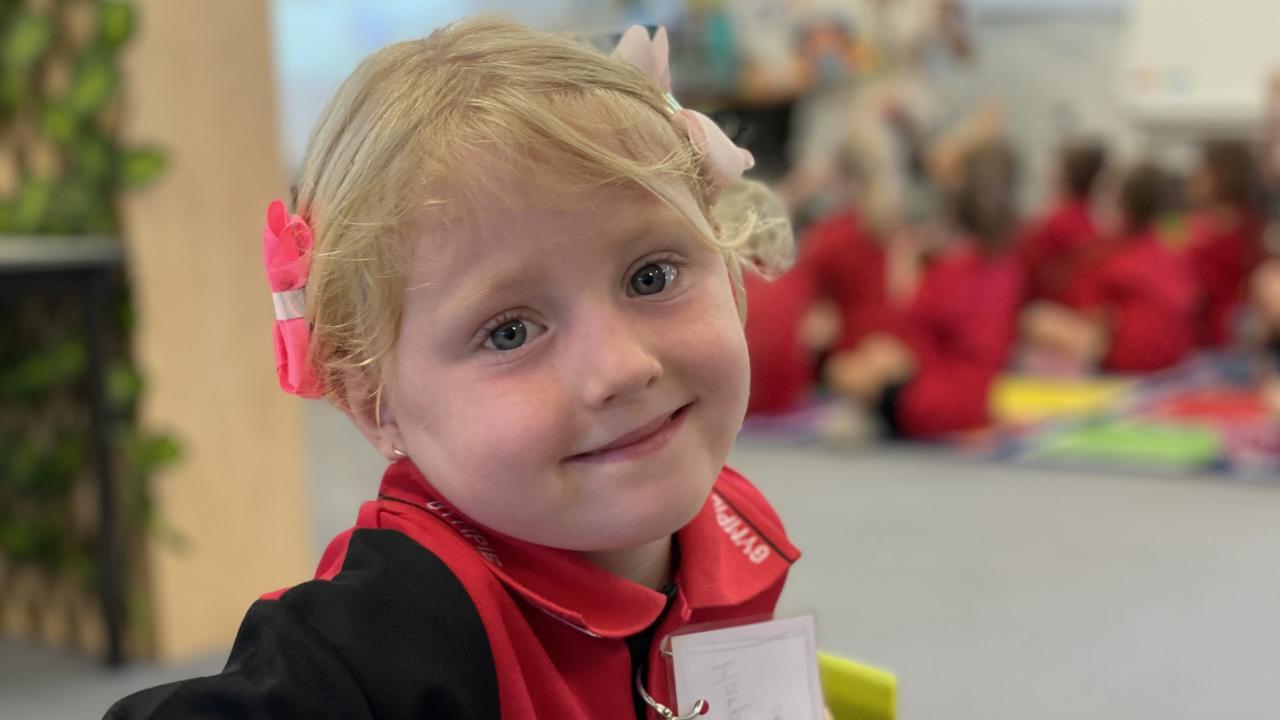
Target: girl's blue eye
{"type": "Point", "coordinates": [511, 331]}
{"type": "Point", "coordinates": [509, 335]}
{"type": "Point", "coordinates": [653, 278]}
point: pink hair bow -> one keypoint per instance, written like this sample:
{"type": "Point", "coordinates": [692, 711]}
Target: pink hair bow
{"type": "Point", "coordinates": [286, 247]}
{"type": "Point", "coordinates": [722, 161]}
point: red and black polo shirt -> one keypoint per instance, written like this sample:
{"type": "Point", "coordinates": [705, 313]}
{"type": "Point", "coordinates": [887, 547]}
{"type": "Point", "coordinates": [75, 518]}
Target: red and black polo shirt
{"type": "Point", "coordinates": [416, 612]}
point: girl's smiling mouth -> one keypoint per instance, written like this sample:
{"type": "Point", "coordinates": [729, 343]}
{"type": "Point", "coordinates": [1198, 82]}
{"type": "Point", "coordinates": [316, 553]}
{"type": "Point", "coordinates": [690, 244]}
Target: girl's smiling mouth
{"type": "Point", "coordinates": [647, 438]}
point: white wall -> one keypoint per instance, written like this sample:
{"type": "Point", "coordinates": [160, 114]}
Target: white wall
{"type": "Point", "coordinates": [1200, 65]}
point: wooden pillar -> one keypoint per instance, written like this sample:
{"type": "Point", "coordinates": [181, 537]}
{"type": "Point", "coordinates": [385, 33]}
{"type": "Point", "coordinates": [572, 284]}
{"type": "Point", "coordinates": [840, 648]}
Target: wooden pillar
{"type": "Point", "coordinates": [200, 83]}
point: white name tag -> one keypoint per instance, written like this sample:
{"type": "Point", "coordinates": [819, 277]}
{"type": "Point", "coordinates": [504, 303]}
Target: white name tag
{"type": "Point", "coordinates": [763, 671]}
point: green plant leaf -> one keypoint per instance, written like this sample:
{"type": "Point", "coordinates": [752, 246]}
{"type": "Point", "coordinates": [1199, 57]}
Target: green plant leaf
{"type": "Point", "coordinates": [15, 539]}
{"type": "Point", "coordinates": [21, 463]}
{"type": "Point", "coordinates": [60, 463]}
{"type": "Point", "coordinates": [123, 385]}
{"type": "Point", "coordinates": [73, 203]}
{"type": "Point", "coordinates": [58, 124]}
{"type": "Point", "coordinates": [41, 372]}
{"type": "Point", "coordinates": [103, 219]}
{"type": "Point", "coordinates": [32, 204]}
{"type": "Point", "coordinates": [93, 85]}
{"type": "Point", "coordinates": [123, 314]}
{"type": "Point", "coordinates": [157, 451]}
{"type": "Point", "coordinates": [27, 38]}
{"type": "Point", "coordinates": [115, 23]}
{"type": "Point", "coordinates": [140, 166]}
{"type": "Point", "coordinates": [93, 159]}
{"type": "Point", "coordinates": [44, 472]}
{"type": "Point", "coordinates": [10, 90]}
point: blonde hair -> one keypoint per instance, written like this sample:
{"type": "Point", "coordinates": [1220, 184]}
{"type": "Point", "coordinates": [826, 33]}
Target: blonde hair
{"type": "Point", "coordinates": [395, 140]}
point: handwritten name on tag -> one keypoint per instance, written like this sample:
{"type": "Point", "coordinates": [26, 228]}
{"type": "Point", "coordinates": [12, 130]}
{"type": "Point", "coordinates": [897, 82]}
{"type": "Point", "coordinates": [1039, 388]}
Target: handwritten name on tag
{"type": "Point", "coordinates": [762, 671]}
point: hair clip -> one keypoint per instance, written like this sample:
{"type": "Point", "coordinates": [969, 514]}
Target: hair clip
{"type": "Point", "coordinates": [722, 162]}
{"type": "Point", "coordinates": [286, 246]}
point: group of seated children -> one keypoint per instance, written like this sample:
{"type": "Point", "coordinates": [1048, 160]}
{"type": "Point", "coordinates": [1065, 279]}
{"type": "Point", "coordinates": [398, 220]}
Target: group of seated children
{"type": "Point", "coordinates": [914, 318]}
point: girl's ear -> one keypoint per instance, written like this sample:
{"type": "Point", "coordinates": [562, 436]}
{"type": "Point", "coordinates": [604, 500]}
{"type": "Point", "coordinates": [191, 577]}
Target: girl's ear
{"type": "Point", "coordinates": [378, 424]}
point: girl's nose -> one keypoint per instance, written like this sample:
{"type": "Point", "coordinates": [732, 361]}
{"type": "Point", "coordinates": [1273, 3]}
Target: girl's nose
{"type": "Point", "coordinates": [613, 360]}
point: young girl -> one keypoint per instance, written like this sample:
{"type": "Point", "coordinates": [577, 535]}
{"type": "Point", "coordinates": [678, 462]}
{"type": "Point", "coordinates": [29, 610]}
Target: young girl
{"type": "Point", "coordinates": [1225, 237]}
{"type": "Point", "coordinates": [933, 372]}
{"type": "Point", "coordinates": [1132, 309]}
{"type": "Point", "coordinates": [1053, 246]}
{"type": "Point", "coordinates": [519, 293]}
{"type": "Point", "coordinates": [834, 296]}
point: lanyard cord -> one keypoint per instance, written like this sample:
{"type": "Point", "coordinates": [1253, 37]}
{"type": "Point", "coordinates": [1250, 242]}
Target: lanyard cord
{"type": "Point", "coordinates": [640, 659]}
{"type": "Point", "coordinates": [699, 708]}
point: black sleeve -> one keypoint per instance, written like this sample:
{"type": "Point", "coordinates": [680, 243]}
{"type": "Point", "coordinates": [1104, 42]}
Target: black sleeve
{"type": "Point", "coordinates": [393, 635]}
{"type": "Point", "coordinates": [279, 668]}
{"type": "Point", "coordinates": [887, 407]}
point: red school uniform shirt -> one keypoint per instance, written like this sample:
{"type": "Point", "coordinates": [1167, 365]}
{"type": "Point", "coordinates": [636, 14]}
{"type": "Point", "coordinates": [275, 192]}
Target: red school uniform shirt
{"type": "Point", "coordinates": [960, 327]}
{"type": "Point", "coordinates": [1222, 258]}
{"type": "Point", "coordinates": [416, 612]}
{"type": "Point", "coordinates": [1052, 249]}
{"type": "Point", "coordinates": [844, 262]}
{"type": "Point", "coordinates": [1146, 295]}
{"type": "Point", "coordinates": [838, 260]}
{"type": "Point", "coordinates": [782, 370]}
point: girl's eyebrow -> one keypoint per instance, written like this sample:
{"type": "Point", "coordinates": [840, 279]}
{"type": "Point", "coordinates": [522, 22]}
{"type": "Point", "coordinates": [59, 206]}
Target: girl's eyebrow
{"type": "Point", "coordinates": [473, 291]}
{"type": "Point", "coordinates": [477, 291]}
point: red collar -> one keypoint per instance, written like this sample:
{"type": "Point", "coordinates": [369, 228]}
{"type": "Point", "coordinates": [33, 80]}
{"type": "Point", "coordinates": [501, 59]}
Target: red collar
{"type": "Point", "coordinates": [733, 550]}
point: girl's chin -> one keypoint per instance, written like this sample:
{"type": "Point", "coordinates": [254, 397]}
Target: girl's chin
{"type": "Point", "coordinates": [642, 528]}
{"type": "Point", "coordinates": [631, 529]}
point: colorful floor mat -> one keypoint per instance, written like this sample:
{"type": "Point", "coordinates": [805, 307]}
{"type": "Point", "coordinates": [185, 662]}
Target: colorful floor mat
{"type": "Point", "coordinates": [1202, 416]}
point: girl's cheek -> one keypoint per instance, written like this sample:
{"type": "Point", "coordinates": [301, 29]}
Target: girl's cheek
{"type": "Point", "coordinates": [515, 417]}
{"type": "Point", "coordinates": [710, 337]}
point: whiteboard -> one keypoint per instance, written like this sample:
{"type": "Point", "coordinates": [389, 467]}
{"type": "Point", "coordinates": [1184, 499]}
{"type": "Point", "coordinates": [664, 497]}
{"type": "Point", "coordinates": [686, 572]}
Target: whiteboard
{"type": "Point", "coordinates": [1200, 63]}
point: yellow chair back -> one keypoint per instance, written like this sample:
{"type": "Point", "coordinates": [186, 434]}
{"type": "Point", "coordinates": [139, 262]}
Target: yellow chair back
{"type": "Point", "coordinates": [854, 691]}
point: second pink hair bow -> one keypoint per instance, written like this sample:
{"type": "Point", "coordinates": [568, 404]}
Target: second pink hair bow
{"type": "Point", "coordinates": [286, 247]}
{"type": "Point", "coordinates": [722, 161]}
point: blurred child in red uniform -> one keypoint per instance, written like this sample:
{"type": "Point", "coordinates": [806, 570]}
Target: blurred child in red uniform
{"type": "Point", "coordinates": [781, 362]}
{"type": "Point", "coordinates": [834, 296]}
{"type": "Point", "coordinates": [932, 373]}
{"type": "Point", "coordinates": [1053, 246]}
{"type": "Point", "coordinates": [859, 269]}
{"type": "Point", "coordinates": [1133, 307]}
{"type": "Point", "coordinates": [1224, 243]}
